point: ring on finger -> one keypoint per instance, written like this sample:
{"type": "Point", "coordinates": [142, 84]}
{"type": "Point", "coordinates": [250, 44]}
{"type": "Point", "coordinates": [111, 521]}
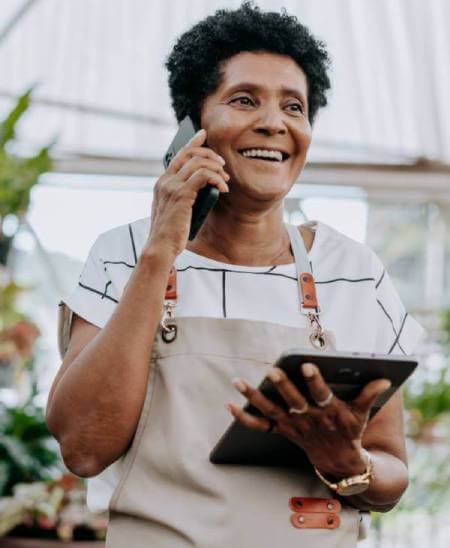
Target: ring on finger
{"type": "Point", "coordinates": [297, 411]}
{"type": "Point", "coordinates": [326, 402]}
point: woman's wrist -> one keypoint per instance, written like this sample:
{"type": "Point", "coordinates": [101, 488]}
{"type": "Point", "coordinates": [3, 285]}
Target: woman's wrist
{"type": "Point", "coordinates": [157, 254]}
{"type": "Point", "coordinates": [351, 464]}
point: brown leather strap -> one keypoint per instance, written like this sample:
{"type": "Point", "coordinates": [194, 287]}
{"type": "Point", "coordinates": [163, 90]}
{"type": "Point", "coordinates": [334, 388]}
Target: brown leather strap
{"type": "Point", "coordinates": [171, 289]}
{"type": "Point", "coordinates": [313, 505]}
{"type": "Point", "coordinates": [308, 289]}
{"type": "Point", "coordinates": [315, 520]}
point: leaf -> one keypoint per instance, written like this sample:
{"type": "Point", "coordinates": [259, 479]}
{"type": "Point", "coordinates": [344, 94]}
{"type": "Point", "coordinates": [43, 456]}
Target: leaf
{"type": "Point", "coordinates": [7, 127]}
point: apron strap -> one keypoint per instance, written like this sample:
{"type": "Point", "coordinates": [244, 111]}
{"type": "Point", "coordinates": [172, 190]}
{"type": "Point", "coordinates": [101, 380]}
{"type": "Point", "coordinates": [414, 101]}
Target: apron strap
{"type": "Point", "coordinates": [299, 250]}
{"type": "Point", "coordinates": [309, 304]}
{"type": "Point", "coordinates": [305, 277]}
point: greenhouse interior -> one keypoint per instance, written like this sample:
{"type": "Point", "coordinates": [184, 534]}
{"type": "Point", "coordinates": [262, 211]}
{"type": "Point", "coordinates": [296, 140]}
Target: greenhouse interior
{"type": "Point", "coordinates": [85, 121]}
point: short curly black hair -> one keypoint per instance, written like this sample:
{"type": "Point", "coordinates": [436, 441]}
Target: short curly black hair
{"type": "Point", "coordinates": [194, 64]}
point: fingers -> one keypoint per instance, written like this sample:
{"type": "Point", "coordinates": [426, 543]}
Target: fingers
{"type": "Point", "coordinates": [258, 400]}
{"type": "Point", "coordinates": [256, 423]}
{"type": "Point", "coordinates": [292, 397]}
{"type": "Point", "coordinates": [196, 162]}
{"type": "Point", "coordinates": [317, 387]}
{"type": "Point", "coordinates": [204, 176]}
{"type": "Point", "coordinates": [193, 148]}
{"type": "Point", "coordinates": [369, 395]}
{"type": "Point", "coordinates": [269, 409]}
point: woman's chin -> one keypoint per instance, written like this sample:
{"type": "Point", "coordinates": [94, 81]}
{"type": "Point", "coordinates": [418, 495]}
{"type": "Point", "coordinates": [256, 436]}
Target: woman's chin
{"type": "Point", "coordinates": [261, 189]}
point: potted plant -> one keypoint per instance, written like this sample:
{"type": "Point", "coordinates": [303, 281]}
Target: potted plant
{"type": "Point", "coordinates": [40, 514]}
{"type": "Point", "coordinates": [38, 499]}
{"type": "Point", "coordinates": [18, 174]}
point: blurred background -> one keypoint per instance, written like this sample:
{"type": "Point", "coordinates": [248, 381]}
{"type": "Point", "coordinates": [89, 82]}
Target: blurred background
{"type": "Point", "coordinates": [86, 120]}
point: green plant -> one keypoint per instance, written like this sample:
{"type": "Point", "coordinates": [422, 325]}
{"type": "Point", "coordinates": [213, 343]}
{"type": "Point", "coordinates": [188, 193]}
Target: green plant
{"type": "Point", "coordinates": [432, 402]}
{"type": "Point", "coordinates": [9, 294]}
{"type": "Point", "coordinates": [18, 175]}
{"type": "Point", "coordinates": [28, 452]}
{"type": "Point", "coordinates": [428, 401]}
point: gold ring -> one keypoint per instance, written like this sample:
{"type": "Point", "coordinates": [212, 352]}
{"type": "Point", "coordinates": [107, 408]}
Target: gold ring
{"type": "Point", "coordinates": [326, 401]}
{"type": "Point", "coordinates": [296, 411]}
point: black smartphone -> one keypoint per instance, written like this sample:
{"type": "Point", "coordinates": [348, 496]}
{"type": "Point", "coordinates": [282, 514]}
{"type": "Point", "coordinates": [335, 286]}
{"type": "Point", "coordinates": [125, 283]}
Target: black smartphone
{"type": "Point", "coordinates": [208, 195]}
{"type": "Point", "coordinates": [346, 374]}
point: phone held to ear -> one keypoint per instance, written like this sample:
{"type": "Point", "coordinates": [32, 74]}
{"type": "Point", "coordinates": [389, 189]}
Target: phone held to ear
{"type": "Point", "coordinates": [208, 195]}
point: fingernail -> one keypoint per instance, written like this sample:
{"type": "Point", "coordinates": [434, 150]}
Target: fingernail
{"type": "Point", "coordinates": [274, 375]}
{"type": "Point", "coordinates": [221, 160]}
{"type": "Point", "coordinates": [239, 384]}
{"type": "Point", "coordinates": [197, 134]}
{"type": "Point", "coordinates": [228, 406]}
{"type": "Point", "coordinates": [227, 176]}
{"type": "Point", "coordinates": [308, 370]}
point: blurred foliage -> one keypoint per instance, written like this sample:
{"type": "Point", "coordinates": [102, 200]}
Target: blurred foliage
{"type": "Point", "coordinates": [428, 408]}
{"type": "Point", "coordinates": [28, 451]}
{"type": "Point", "coordinates": [18, 175]}
{"type": "Point", "coordinates": [8, 308]}
{"type": "Point", "coordinates": [432, 402]}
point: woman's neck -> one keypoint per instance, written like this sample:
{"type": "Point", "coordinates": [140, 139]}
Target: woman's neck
{"type": "Point", "coordinates": [246, 239]}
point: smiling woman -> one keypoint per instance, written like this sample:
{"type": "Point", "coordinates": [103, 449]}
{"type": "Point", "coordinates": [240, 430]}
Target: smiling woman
{"type": "Point", "coordinates": [141, 396]}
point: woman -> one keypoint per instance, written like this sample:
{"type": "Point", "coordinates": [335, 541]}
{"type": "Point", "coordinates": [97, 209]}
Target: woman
{"type": "Point", "coordinates": [141, 412]}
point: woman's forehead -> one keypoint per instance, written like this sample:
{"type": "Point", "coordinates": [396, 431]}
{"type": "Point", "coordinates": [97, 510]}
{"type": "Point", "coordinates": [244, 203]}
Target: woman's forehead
{"type": "Point", "coordinates": [263, 70]}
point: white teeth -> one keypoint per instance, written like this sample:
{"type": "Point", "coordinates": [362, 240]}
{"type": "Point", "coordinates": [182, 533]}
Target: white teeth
{"type": "Point", "coordinates": [261, 153]}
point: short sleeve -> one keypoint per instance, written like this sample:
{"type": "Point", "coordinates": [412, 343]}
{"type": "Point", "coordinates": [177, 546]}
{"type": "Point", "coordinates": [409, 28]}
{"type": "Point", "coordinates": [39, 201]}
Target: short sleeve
{"type": "Point", "coordinates": [397, 332]}
{"type": "Point", "coordinates": [94, 298]}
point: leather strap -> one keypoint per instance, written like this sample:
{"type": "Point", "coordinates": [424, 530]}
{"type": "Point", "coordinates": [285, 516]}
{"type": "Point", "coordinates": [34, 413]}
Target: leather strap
{"type": "Point", "coordinates": [305, 277]}
{"type": "Point", "coordinates": [313, 505]}
{"type": "Point", "coordinates": [317, 520]}
{"type": "Point", "coordinates": [171, 289]}
{"type": "Point", "coordinates": [315, 513]}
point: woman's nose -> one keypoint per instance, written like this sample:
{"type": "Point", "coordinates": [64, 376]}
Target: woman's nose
{"type": "Point", "coordinates": [270, 122]}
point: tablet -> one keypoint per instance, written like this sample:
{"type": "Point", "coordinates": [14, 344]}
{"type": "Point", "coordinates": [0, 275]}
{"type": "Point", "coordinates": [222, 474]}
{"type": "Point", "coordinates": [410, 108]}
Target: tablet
{"type": "Point", "coordinates": [345, 373]}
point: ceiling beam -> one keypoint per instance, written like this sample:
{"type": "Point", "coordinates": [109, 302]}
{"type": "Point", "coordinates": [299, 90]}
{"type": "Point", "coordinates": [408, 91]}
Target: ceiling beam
{"type": "Point", "coordinates": [12, 22]}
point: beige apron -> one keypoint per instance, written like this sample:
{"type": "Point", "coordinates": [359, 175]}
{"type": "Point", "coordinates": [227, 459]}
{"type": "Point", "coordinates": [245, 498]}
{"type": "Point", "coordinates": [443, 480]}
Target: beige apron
{"type": "Point", "coordinates": [170, 495]}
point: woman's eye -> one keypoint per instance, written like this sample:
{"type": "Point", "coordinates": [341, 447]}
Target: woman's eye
{"type": "Point", "coordinates": [299, 107]}
{"type": "Point", "coordinates": [243, 98]}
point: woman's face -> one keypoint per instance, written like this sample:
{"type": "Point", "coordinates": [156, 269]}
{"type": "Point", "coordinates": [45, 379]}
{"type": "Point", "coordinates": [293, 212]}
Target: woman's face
{"type": "Point", "coordinates": [261, 104]}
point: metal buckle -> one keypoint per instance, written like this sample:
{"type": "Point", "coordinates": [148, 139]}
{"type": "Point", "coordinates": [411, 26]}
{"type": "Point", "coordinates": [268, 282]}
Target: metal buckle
{"type": "Point", "coordinates": [316, 338]}
{"type": "Point", "coordinates": [169, 330]}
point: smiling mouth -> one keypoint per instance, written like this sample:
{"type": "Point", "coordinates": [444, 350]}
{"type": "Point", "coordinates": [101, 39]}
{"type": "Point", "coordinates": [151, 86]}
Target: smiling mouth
{"type": "Point", "coordinates": [271, 159]}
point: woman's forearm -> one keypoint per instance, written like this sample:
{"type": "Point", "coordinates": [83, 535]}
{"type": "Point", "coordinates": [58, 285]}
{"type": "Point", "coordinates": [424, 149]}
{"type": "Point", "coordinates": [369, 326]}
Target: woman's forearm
{"type": "Point", "coordinates": [96, 404]}
{"type": "Point", "coordinates": [389, 482]}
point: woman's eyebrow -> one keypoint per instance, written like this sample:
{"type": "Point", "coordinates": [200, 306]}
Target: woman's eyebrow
{"type": "Point", "coordinates": [250, 86]}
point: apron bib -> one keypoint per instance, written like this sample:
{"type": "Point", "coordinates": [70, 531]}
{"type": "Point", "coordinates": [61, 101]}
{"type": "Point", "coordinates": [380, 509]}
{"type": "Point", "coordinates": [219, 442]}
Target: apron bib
{"type": "Point", "coordinates": [170, 495]}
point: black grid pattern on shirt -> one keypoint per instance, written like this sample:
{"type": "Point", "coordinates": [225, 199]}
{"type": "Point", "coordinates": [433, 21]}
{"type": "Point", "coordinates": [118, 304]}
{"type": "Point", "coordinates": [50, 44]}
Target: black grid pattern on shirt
{"type": "Point", "coordinates": [269, 272]}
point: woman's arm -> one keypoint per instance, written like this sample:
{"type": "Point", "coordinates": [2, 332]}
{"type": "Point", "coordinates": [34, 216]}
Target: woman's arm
{"type": "Point", "coordinates": [384, 438]}
{"type": "Point", "coordinates": [97, 396]}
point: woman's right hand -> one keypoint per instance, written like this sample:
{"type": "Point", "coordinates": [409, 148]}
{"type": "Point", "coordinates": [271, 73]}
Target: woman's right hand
{"type": "Point", "coordinates": [174, 194]}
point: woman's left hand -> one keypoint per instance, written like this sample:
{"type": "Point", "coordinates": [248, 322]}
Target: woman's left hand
{"type": "Point", "coordinates": [331, 434]}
